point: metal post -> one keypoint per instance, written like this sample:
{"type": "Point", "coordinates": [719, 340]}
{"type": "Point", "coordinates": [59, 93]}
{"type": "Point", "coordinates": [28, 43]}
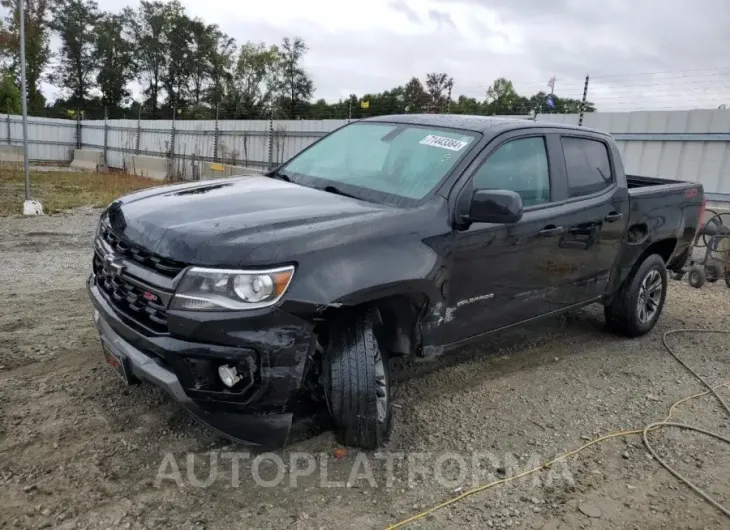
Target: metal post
{"type": "Point", "coordinates": [7, 122]}
{"type": "Point", "coordinates": [139, 130]}
{"type": "Point", "coordinates": [215, 135]}
{"type": "Point", "coordinates": [78, 128]}
{"type": "Point", "coordinates": [271, 139]}
{"type": "Point", "coordinates": [583, 102]}
{"type": "Point", "coordinates": [448, 103]}
{"type": "Point", "coordinates": [24, 99]}
{"type": "Point", "coordinates": [106, 135]}
{"type": "Point", "coordinates": [172, 132]}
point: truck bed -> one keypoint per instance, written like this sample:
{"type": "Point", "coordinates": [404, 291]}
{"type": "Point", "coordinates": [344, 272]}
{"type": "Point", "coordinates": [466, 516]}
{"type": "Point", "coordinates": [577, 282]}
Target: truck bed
{"type": "Point", "coordinates": [636, 181]}
{"type": "Point", "coordinates": [661, 210]}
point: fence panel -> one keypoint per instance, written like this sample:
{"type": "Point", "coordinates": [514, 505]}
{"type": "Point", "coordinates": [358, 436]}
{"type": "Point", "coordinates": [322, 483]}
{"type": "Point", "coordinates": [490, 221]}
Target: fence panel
{"type": "Point", "coordinates": [244, 142]}
{"type": "Point", "coordinates": [689, 145]}
{"type": "Point", "coordinates": [50, 140]}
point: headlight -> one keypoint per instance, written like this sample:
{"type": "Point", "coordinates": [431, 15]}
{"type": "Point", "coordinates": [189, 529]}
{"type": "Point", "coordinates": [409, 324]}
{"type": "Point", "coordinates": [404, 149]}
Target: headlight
{"type": "Point", "coordinates": [220, 290]}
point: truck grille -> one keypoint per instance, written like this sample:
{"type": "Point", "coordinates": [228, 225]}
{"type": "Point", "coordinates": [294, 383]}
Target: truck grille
{"type": "Point", "coordinates": [126, 249]}
{"type": "Point", "coordinates": [130, 300]}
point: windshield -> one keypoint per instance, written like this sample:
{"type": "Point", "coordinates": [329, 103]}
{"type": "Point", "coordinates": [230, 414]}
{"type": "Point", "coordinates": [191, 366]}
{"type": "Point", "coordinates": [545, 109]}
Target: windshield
{"type": "Point", "coordinates": [388, 162]}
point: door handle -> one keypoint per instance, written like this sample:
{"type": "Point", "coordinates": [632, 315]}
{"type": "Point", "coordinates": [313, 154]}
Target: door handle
{"type": "Point", "coordinates": [613, 216]}
{"type": "Point", "coordinates": [551, 230]}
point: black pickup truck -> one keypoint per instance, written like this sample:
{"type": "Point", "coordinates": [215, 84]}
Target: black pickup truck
{"type": "Point", "coordinates": [246, 297]}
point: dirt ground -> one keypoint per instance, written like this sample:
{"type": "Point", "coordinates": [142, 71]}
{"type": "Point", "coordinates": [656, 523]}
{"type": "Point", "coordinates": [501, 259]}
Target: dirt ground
{"type": "Point", "coordinates": [79, 450]}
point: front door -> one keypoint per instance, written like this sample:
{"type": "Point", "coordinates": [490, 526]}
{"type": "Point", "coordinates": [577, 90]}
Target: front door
{"type": "Point", "coordinates": [501, 274]}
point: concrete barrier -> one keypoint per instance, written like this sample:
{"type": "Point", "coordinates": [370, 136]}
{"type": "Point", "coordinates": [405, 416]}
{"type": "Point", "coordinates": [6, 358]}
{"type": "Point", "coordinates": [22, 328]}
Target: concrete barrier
{"type": "Point", "coordinates": [154, 167]}
{"type": "Point", "coordinates": [89, 159]}
{"type": "Point", "coordinates": [11, 154]}
{"type": "Point", "coordinates": [214, 170]}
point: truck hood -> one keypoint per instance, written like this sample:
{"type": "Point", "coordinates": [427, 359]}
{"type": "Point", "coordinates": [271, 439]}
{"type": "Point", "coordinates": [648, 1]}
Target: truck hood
{"type": "Point", "coordinates": [252, 220]}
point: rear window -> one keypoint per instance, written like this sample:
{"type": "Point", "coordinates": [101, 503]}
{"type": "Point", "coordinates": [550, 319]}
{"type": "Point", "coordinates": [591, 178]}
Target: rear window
{"type": "Point", "coordinates": [588, 166]}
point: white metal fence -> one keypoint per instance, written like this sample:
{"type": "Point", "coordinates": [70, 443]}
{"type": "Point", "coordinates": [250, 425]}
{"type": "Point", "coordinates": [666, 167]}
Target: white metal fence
{"type": "Point", "coordinates": [688, 145]}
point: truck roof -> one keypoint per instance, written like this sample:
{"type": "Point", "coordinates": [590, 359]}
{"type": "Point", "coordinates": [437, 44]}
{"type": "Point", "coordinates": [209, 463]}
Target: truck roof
{"type": "Point", "coordinates": [482, 124]}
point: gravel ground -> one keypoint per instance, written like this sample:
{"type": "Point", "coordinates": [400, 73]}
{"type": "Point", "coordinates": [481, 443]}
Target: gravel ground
{"type": "Point", "coordinates": [78, 450]}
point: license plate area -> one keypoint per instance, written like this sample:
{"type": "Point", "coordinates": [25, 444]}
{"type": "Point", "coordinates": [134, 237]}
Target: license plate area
{"type": "Point", "coordinates": [117, 362]}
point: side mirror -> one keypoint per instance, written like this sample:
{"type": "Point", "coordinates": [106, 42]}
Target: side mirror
{"type": "Point", "coordinates": [495, 206]}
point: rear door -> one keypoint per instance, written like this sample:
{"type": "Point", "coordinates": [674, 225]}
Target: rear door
{"type": "Point", "coordinates": [594, 223]}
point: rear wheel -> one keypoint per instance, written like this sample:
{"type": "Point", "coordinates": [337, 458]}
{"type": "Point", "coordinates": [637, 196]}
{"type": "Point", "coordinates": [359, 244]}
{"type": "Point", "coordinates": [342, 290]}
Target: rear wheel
{"type": "Point", "coordinates": [357, 382]}
{"type": "Point", "coordinates": [637, 306]}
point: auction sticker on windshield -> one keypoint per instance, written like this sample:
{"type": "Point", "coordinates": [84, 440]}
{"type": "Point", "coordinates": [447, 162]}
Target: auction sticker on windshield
{"type": "Point", "coordinates": [444, 143]}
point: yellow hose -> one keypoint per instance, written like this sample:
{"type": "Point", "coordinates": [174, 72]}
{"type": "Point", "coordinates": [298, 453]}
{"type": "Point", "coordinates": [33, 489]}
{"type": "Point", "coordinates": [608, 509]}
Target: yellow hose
{"type": "Point", "coordinates": [643, 432]}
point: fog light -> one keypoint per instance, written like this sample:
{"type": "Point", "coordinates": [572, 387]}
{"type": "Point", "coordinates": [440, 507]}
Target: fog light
{"type": "Point", "coordinates": [228, 375]}
{"type": "Point", "coordinates": [96, 315]}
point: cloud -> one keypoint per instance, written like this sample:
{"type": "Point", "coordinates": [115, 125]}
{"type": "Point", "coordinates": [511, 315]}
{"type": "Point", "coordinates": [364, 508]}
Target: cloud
{"type": "Point", "coordinates": [441, 17]}
{"type": "Point", "coordinates": [402, 7]}
{"type": "Point", "coordinates": [369, 47]}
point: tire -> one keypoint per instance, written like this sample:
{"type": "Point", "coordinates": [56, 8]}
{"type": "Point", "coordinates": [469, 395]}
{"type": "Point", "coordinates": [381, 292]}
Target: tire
{"type": "Point", "coordinates": [677, 275]}
{"type": "Point", "coordinates": [697, 277]}
{"type": "Point", "coordinates": [623, 314]}
{"type": "Point", "coordinates": [357, 382]}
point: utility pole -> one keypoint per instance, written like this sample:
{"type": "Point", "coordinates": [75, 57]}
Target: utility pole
{"type": "Point", "coordinates": [29, 207]}
{"type": "Point", "coordinates": [583, 102]}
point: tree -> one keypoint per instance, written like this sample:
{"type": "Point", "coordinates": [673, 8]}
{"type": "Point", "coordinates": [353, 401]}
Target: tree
{"type": "Point", "coordinates": [74, 21]}
{"type": "Point", "coordinates": [221, 61]}
{"type": "Point", "coordinates": [202, 44]}
{"type": "Point", "coordinates": [466, 105]}
{"type": "Point", "coordinates": [415, 97]}
{"type": "Point", "coordinates": [37, 50]}
{"type": "Point", "coordinates": [114, 56]}
{"type": "Point", "coordinates": [149, 27]}
{"type": "Point", "coordinates": [439, 88]}
{"type": "Point", "coordinates": [9, 94]}
{"type": "Point", "coordinates": [255, 79]}
{"type": "Point", "coordinates": [503, 99]}
{"type": "Point", "coordinates": [295, 83]}
{"type": "Point", "coordinates": [538, 103]}
{"type": "Point", "coordinates": [179, 54]}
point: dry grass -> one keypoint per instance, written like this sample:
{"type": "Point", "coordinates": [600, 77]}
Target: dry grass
{"type": "Point", "coordinates": [63, 190]}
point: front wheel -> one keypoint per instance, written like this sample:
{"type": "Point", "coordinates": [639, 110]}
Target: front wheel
{"type": "Point", "coordinates": [637, 306]}
{"type": "Point", "coordinates": [357, 382]}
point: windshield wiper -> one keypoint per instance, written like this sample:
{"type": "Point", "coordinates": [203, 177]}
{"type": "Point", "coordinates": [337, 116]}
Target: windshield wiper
{"type": "Point", "coordinates": [337, 191]}
{"type": "Point", "coordinates": [280, 175]}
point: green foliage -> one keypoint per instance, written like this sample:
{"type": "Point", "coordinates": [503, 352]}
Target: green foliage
{"type": "Point", "coordinates": [114, 56]}
{"type": "Point", "coordinates": [75, 22]}
{"type": "Point", "coordinates": [293, 82]}
{"type": "Point", "coordinates": [9, 95]}
{"type": "Point", "coordinates": [254, 81]}
{"type": "Point", "coordinates": [37, 46]}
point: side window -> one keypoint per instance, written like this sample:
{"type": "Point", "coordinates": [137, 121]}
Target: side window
{"type": "Point", "coordinates": [519, 165]}
{"type": "Point", "coordinates": [588, 165]}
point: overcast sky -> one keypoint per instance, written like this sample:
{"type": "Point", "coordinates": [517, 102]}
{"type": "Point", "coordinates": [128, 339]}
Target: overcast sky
{"type": "Point", "coordinates": [369, 46]}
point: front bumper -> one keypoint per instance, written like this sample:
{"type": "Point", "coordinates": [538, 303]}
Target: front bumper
{"type": "Point", "coordinates": [263, 418]}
